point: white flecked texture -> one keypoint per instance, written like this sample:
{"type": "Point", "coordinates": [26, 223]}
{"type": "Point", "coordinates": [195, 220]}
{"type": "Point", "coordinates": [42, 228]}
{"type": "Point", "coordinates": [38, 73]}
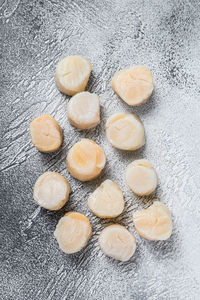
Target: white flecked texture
{"type": "Point", "coordinates": [164, 36]}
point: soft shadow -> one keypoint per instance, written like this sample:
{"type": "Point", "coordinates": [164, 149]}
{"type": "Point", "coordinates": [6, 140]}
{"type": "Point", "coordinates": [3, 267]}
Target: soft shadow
{"type": "Point", "coordinates": [103, 116]}
{"type": "Point", "coordinates": [91, 82]}
{"type": "Point", "coordinates": [131, 154]}
{"type": "Point", "coordinates": [148, 106]}
{"type": "Point", "coordinates": [163, 249]}
{"type": "Point", "coordinates": [148, 200]}
{"type": "Point", "coordinates": [144, 108]}
{"type": "Point", "coordinates": [55, 158]}
{"type": "Point", "coordinates": [133, 264]}
{"type": "Point", "coordinates": [83, 258]}
{"type": "Point", "coordinates": [55, 215]}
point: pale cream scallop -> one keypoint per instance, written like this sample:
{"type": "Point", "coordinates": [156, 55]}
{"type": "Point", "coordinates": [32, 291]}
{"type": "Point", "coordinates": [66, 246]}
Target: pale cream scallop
{"type": "Point", "coordinates": [83, 110]}
{"type": "Point", "coordinates": [117, 242]}
{"type": "Point", "coordinates": [154, 223]}
{"type": "Point", "coordinates": [46, 134]}
{"type": "Point", "coordinates": [73, 232]}
{"type": "Point", "coordinates": [72, 74]}
{"type": "Point", "coordinates": [125, 131]}
{"type": "Point", "coordinates": [133, 85]}
{"type": "Point", "coordinates": [51, 190]}
{"type": "Point", "coordinates": [107, 201]}
{"type": "Point", "coordinates": [141, 177]}
{"type": "Point", "coordinates": [85, 160]}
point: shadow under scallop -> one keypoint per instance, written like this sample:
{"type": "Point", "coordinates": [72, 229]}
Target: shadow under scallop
{"type": "Point", "coordinates": [142, 109]}
{"type": "Point", "coordinates": [82, 259]}
{"type": "Point", "coordinates": [130, 155]}
{"type": "Point", "coordinates": [49, 160]}
{"type": "Point", "coordinates": [53, 216]}
{"type": "Point", "coordinates": [132, 265]}
{"type": "Point", "coordinates": [163, 249]}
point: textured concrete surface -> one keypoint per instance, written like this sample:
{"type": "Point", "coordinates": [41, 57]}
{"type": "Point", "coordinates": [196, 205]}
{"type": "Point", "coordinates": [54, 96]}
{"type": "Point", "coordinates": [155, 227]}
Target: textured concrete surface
{"type": "Point", "coordinates": [163, 35]}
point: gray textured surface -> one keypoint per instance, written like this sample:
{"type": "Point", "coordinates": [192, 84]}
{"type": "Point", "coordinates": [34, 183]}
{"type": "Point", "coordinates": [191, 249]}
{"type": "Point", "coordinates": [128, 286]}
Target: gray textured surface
{"type": "Point", "coordinates": [163, 35]}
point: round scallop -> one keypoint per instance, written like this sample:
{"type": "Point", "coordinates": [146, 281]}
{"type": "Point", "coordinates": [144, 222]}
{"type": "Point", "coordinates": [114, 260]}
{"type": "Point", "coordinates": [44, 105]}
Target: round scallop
{"type": "Point", "coordinates": [83, 110]}
{"type": "Point", "coordinates": [46, 134]}
{"type": "Point", "coordinates": [134, 85]}
{"type": "Point", "coordinates": [117, 242]}
{"type": "Point", "coordinates": [125, 131]}
{"type": "Point", "coordinates": [141, 177]}
{"type": "Point", "coordinates": [72, 74]}
{"type": "Point", "coordinates": [85, 160]}
{"type": "Point", "coordinates": [51, 190]}
{"type": "Point", "coordinates": [73, 232]}
{"type": "Point", "coordinates": [154, 223]}
{"type": "Point", "coordinates": [107, 201]}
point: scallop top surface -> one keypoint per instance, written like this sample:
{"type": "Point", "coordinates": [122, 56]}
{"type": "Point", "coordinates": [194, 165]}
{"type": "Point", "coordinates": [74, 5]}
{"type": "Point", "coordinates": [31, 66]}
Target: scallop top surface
{"type": "Point", "coordinates": [154, 223]}
{"type": "Point", "coordinates": [85, 160]}
{"type": "Point", "coordinates": [73, 232]}
{"type": "Point", "coordinates": [83, 110]}
{"type": "Point", "coordinates": [125, 131]}
{"type": "Point", "coordinates": [46, 134]}
{"type": "Point", "coordinates": [72, 74]}
{"type": "Point", "coordinates": [133, 85]}
{"type": "Point", "coordinates": [107, 201]}
{"type": "Point", "coordinates": [117, 242]}
{"type": "Point", "coordinates": [51, 190]}
{"type": "Point", "coordinates": [141, 177]}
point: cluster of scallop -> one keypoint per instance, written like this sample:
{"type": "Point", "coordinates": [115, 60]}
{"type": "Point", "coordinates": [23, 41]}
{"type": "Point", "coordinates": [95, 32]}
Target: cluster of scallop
{"type": "Point", "coordinates": [85, 161]}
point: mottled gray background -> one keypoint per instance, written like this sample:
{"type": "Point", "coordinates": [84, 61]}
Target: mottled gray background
{"type": "Point", "coordinates": [163, 35]}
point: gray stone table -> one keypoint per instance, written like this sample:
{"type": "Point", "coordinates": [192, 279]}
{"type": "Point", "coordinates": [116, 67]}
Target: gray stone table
{"type": "Point", "coordinates": [163, 35]}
